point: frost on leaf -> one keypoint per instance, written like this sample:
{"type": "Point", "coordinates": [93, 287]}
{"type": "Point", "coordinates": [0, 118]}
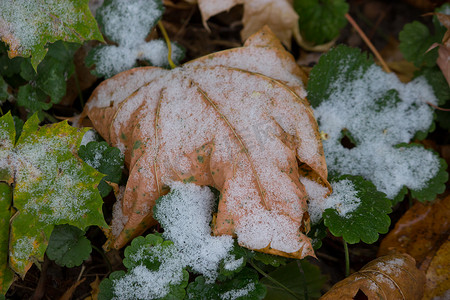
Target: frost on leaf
{"type": "Point", "coordinates": [387, 277]}
{"type": "Point", "coordinates": [52, 186]}
{"type": "Point", "coordinates": [128, 23]}
{"type": "Point", "coordinates": [158, 266]}
{"type": "Point", "coordinates": [369, 117]}
{"type": "Point", "coordinates": [234, 120]}
{"type": "Point", "coordinates": [28, 25]}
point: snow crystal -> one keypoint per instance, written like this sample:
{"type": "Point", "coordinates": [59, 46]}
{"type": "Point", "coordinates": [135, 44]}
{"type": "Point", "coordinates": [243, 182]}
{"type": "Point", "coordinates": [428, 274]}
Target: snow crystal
{"type": "Point", "coordinates": [344, 198]}
{"type": "Point", "coordinates": [142, 283]}
{"type": "Point", "coordinates": [236, 293]}
{"type": "Point", "coordinates": [22, 249]}
{"type": "Point", "coordinates": [274, 65]}
{"type": "Point", "coordinates": [128, 23]}
{"type": "Point", "coordinates": [89, 136]}
{"type": "Point", "coordinates": [357, 107]}
{"type": "Point", "coordinates": [186, 214]}
{"type": "Point", "coordinates": [117, 89]}
{"type": "Point", "coordinates": [119, 219]}
{"type": "Point", "coordinates": [25, 20]}
{"type": "Point", "coordinates": [52, 182]}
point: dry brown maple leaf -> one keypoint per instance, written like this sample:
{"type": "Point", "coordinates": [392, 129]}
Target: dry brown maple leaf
{"type": "Point", "coordinates": [420, 231]}
{"type": "Point", "coordinates": [279, 15]}
{"type": "Point", "coordinates": [437, 274]}
{"type": "Point", "coordinates": [387, 277]}
{"type": "Point", "coordinates": [236, 120]}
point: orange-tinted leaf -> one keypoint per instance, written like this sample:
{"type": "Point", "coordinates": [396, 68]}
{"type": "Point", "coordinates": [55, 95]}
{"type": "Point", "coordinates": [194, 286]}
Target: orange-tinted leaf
{"type": "Point", "coordinates": [438, 275]}
{"type": "Point", "coordinates": [69, 293]}
{"type": "Point", "coordinates": [279, 15]}
{"type": "Point", "coordinates": [95, 286]}
{"type": "Point", "coordinates": [420, 230]}
{"type": "Point", "coordinates": [235, 120]}
{"type": "Point", "coordinates": [387, 277]}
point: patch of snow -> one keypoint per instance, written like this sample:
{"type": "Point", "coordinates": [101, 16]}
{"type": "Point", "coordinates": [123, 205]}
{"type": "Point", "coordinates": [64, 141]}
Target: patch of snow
{"type": "Point", "coordinates": [186, 214]}
{"type": "Point", "coordinates": [119, 219]}
{"type": "Point", "coordinates": [357, 106]}
{"type": "Point", "coordinates": [186, 217]}
{"type": "Point", "coordinates": [89, 136]}
{"type": "Point", "coordinates": [344, 198]}
{"type": "Point", "coordinates": [25, 20]}
{"type": "Point", "coordinates": [142, 283]}
{"type": "Point", "coordinates": [128, 23]}
{"type": "Point", "coordinates": [236, 293]}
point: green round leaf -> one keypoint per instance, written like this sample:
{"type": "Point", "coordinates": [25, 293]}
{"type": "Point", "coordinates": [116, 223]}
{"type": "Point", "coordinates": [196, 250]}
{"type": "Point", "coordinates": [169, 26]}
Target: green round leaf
{"type": "Point", "coordinates": [105, 159]}
{"type": "Point", "coordinates": [245, 285]}
{"type": "Point", "coordinates": [300, 277]}
{"type": "Point", "coordinates": [320, 21]}
{"type": "Point", "coordinates": [365, 222]}
{"type": "Point", "coordinates": [68, 246]}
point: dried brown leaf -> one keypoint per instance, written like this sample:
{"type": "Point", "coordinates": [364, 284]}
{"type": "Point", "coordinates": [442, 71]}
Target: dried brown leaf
{"type": "Point", "coordinates": [69, 293]}
{"type": "Point", "coordinates": [438, 276]}
{"type": "Point", "coordinates": [95, 286]}
{"type": "Point", "coordinates": [387, 277]}
{"type": "Point", "coordinates": [236, 120]}
{"type": "Point", "coordinates": [420, 230]}
{"type": "Point", "coordinates": [279, 15]}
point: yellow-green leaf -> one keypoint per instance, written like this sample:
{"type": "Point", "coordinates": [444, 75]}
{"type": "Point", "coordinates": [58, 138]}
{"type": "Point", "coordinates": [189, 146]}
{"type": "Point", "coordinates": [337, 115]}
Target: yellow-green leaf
{"type": "Point", "coordinates": [6, 274]}
{"type": "Point", "coordinates": [52, 186]}
{"type": "Point", "coordinates": [28, 25]}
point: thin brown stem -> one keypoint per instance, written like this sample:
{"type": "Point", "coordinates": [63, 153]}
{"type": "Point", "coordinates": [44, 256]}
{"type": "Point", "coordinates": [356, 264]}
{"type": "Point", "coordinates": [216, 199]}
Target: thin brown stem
{"type": "Point", "coordinates": [437, 107]}
{"type": "Point", "coordinates": [368, 42]}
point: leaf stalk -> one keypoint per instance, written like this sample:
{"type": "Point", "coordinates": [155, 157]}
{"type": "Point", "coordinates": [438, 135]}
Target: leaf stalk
{"type": "Point", "coordinates": [169, 44]}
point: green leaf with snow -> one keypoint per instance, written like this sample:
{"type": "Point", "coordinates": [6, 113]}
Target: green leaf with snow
{"type": "Point", "coordinates": [267, 259]}
{"type": "Point", "coordinates": [52, 186]}
{"type": "Point", "coordinates": [128, 24]}
{"type": "Point", "coordinates": [152, 265]}
{"type": "Point", "coordinates": [6, 274]}
{"type": "Point", "coordinates": [321, 21]}
{"type": "Point", "coordinates": [341, 63]}
{"type": "Point", "coordinates": [303, 279]}
{"type": "Point", "coordinates": [317, 233]}
{"type": "Point", "coordinates": [355, 100]}
{"type": "Point", "coordinates": [29, 25]}
{"type": "Point", "coordinates": [68, 246]}
{"type": "Point", "coordinates": [105, 159]}
{"type": "Point", "coordinates": [437, 81]}
{"type": "Point", "coordinates": [358, 212]}
{"type": "Point", "coordinates": [436, 184]}
{"type": "Point", "coordinates": [48, 85]}
{"type": "Point", "coordinates": [245, 285]}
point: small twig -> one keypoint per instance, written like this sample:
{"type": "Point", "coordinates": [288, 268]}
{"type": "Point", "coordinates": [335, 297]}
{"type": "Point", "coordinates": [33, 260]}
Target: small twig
{"type": "Point", "coordinates": [347, 259]}
{"type": "Point", "coordinates": [169, 44]}
{"type": "Point", "coordinates": [105, 258]}
{"type": "Point", "coordinates": [437, 107]}
{"type": "Point", "coordinates": [273, 279]}
{"type": "Point", "coordinates": [302, 274]}
{"type": "Point", "coordinates": [368, 42]}
{"type": "Point", "coordinates": [39, 292]}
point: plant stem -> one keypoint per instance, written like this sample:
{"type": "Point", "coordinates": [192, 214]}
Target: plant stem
{"type": "Point", "coordinates": [368, 42]}
{"type": "Point", "coordinates": [272, 279]}
{"type": "Point", "coordinates": [169, 44]}
{"type": "Point", "coordinates": [305, 286]}
{"type": "Point", "coordinates": [105, 258]}
{"type": "Point", "coordinates": [347, 259]}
